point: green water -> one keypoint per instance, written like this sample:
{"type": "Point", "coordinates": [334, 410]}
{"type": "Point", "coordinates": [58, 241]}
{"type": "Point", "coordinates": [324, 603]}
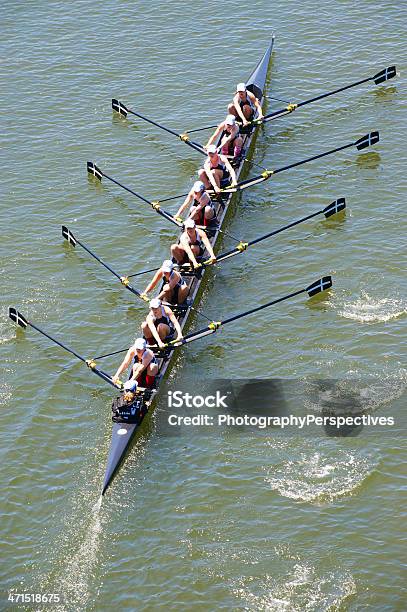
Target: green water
{"type": "Point", "coordinates": [239, 519]}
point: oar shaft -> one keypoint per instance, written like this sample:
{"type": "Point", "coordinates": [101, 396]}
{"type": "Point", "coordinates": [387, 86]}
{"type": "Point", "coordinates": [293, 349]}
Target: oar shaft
{"type": "Point", "coordinates": [162, 127]}
{"type": "Point", "coordinates": [249, 312]}
{"type": "Point", "coordinates": [190, 143]}
{"type": "Point", "coordinates": [314, 157]}
{"type": "Point", "coordinates": [66, 348]}
{"type": "Point", "coordinates": [264, 177]}
{"type": "Point", "coordinates": [122, 279]}
{"type": "Point", "coordinates": [236, 251]}
{"type": "Point", "coordinates": [211, 329]}
{"type": "Point", "coordinates": [282, 229]}
{"type": "Point", "coordinates": [287, 111]}
{"type": "Point", "coordinates": [112, 354]}
{"type": "Point", "coordinates": [333, 208]}
{"type": "Point", "coordinates": [160, 211]}
{"type": "Point", "coordinates": [95, 370]}
{"type": "Point", "coordinates": [127, 189]}
{"type": "Point", "coordinates": [332, 93]}
{"type": "Point", "coordinates": [105, 265]}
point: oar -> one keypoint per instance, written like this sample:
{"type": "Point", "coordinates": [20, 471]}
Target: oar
{"type": "Point", "coordinates": [332, 209]}
{"type": "Point", "coordinates": [320, 285]}
{"type": "Point", "coordinates": [380, 77]}
{"type": "Point", "coordinates": [18, 318]}
{"type": "Point", "coordinates": [97, 172]}
{"type": "Point", "coordinates": [68, 235]}
{"type": "Point", "coordinates": [362, 143]}
{"type": "Point", "coordinates": [119, 107]}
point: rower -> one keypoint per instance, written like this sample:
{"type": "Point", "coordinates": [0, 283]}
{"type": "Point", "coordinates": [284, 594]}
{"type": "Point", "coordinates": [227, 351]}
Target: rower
{"type": "Point", "coordinates": [202, 210]}
{"type": "Point", "coordinates": [174, 288]}
{"type": "Point", "coordinates": [192, 244]}
{"type": "Point", "coordinates": [144, 366]}
{"type": "Point", "coordinates": [228, 134]}
{"type": "Point", "coordinates": [245, 105]}
{"type": "Point", "coordinates": [160, 324]}
{"type": "Point", "coordinates": [217, 171]}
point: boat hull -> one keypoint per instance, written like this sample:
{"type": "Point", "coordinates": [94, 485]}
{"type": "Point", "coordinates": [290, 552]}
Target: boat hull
{"type": "Point", "coordinates": [123, 432]}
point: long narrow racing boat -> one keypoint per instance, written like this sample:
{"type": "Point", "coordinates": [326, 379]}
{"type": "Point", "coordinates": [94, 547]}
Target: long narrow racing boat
{"type": "Point", "coordinates": [123, 432]}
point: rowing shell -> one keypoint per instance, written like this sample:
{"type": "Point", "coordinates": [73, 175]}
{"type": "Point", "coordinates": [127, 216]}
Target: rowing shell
{"type": "Point", "coordinates": [124, 432]}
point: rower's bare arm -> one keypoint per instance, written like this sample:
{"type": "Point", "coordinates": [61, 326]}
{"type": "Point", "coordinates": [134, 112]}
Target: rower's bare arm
{"type": "Point", "coordinates": [207, 244]}
{"type": "Point", "coordinates": [189, 252]}
{"type": "Point", "coordinates": [124, 365]}
{"type": "Point", "coordinates": [236, 104]}
{"type": "Point", "coordinates": [173, 281]}
{"type": "Point", "coordinates": [260, 110]}
{"type": "Point", "coordinates": [210, 176]}
{"type": "Point", "coordinates": [137, 370]}
{"type": "Point", "coordinates": [258, 106]}
{"type": "Point", "coordinates": [232, 135]}
{"type": "Point", "coordinates": [230, 169]}
{"type": "Point", "coordinates": [153, 330]}
{"type": "Point", "coordinates": [227, 139]}
{"type": "Point", "coordinates": [175, 323]}
{"type": "Point", "coordinates": [157, 276]}
{"type": "Point", "coordinates": [185, 203]}
{"type": "Point", "coordinates": [214, 136]}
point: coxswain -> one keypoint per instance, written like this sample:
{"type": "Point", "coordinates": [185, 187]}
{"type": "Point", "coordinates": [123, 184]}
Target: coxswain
{"type": "Point", "coordinates": [144, 366]}
{"type": "Point", "coordinates": [192, 244]}
{"type": "Point", "coordinates": [228, 136]}
{"type": "Point", "coordinates": [217, 171]}
{"type": "Point", "coordinates": [161, 324]}
{"type": "Point", "coordinates": [174, 289]}
{"type": "Point", "coordinates": [245, 106]}
{"type": "Point", "coordinates": [202, 210]}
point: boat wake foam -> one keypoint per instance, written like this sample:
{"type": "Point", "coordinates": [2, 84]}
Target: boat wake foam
{"type": "Point", "coordinates": [303, 588]}
{"type": "Point", "coordinates": [74, 579]}
{"type": "Point", "coordinates": [368, 309]}
{"type": "Point", "coordinates": [320, 477]}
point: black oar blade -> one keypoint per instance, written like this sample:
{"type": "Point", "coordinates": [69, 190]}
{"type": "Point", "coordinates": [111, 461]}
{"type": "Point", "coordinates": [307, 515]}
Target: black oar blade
{"type": "Point", "coordinates": [68, 235]}
{"type": "Point", "coordinates": [17, 317]}
{"type": "Point", "coordinates": [367, 141]}
{"type": "Point", "coordinates": [119, 107]}
{"type": "Point", "coordinates": [385, 75]}
{"type": "Point", "coordinates": [94, 170]}
{"type": "Point", "coordinates": [322, 284]}
{"type": "Point", "coordinates": [335, 207]}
